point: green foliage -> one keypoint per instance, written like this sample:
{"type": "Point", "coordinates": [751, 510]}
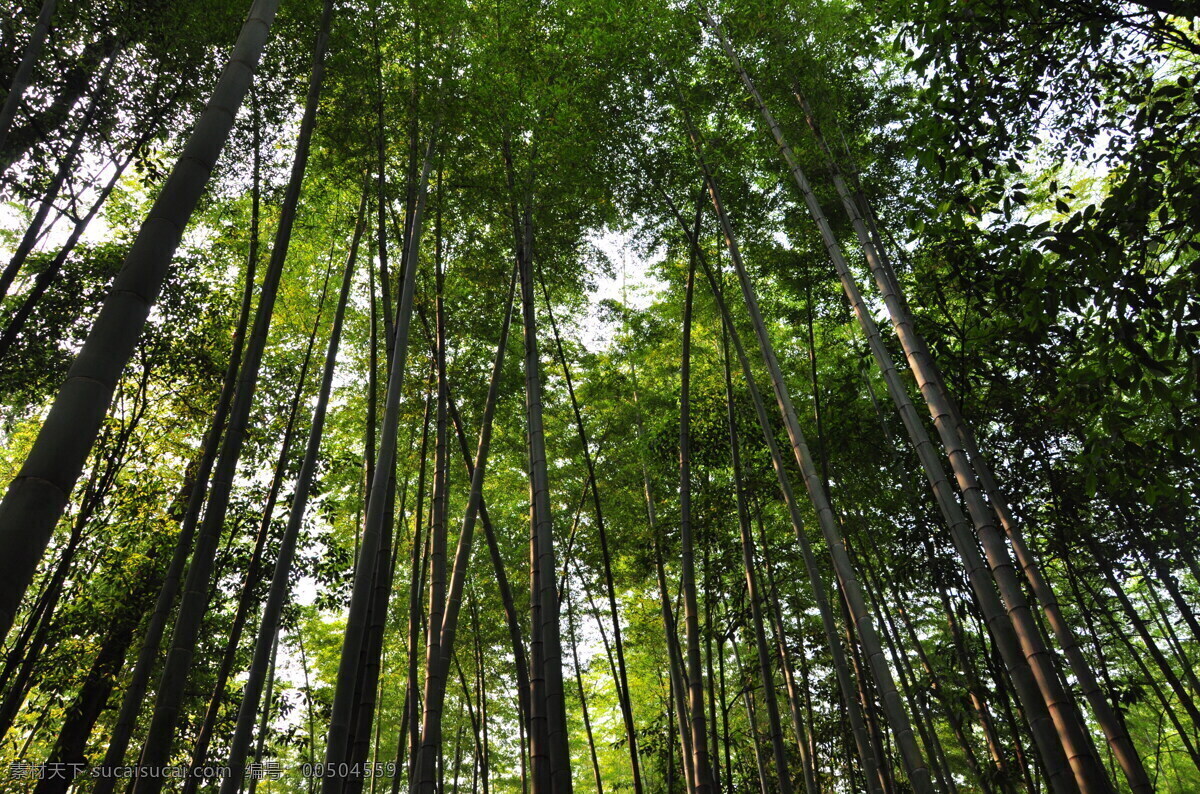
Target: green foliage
{"type": "Point", "coordinates": [1033, 171]}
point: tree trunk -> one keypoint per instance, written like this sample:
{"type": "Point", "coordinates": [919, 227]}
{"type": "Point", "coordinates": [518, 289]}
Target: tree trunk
{"type": "Point", "coordinates": [24, 73]}
{"type": "Point", "coordinates": [1186, 703]}
{"type": "Point", "coordinates": [466, 701]}
{"type": "Point", "coordinates": [380, 197]}
{"type": "Point", "coordinates": [71, 744]}
{"type": "Point", "coordinates": [750, 565]}
{"type": "Point", "coordinates": [1168, 580]}
{"type": "Point", "coordinates": [800, 726]}
{"type": "Point", "coordinates": [367, 679]}
{"type": "Point", "coordinates": [36, 498]}
{"type": "Point", "coordinates": [913, 692]}
{"type": "Point", "coordinates": [978, 697]}
{"type": "Point", "coordinates": [457, 756]}
{"type": "Point", "coordinates": [544, 599]}
{"type": "Point", "coordinates": [441, 651]}
{"type": "Point", "coordinates": [728, 743]}
{"type": "Point", "coordinates": [21, 660]}
{"type": "Point", "coordinates": [1164, 624]}
{"type": "Point", "coordinates": [269, 623]}
{"type": "Point", "coordinates": [1114, 729]}
{"type": "Point", "coordinates": [866, 693]}
{"type": "Point", "coordinates": [370, 661]}
{"type": "Point", "coordinates": [484, 763]}
{"type": "Point", "coordinates": [936, 684]}
{"type": "Point", "coordinates": [705, 784]}
{"type": "Point", "coordinates": [622, 678]}
{"type": "Point", "coordinates": [45, 278]}
{"type": "Point", "coordinates": [671, 635]}
{"type": "Point", "coordinates": [841, 669]}
{"type": "Point", "coordinates": [752, 724]}
{"type": "Point", "coordinates": [409, 736]}
{"type": "Point", "coordinates": [431, 739]}
{"type": "Point", "coordinates": [1167, 706]}
{"type": "Point", "coordinates": [135, 690]}
{"type": "Point", "coordinates": [193, 604]}
{"type": "Point", "coordinates": [252, 579]}
{"type": "Point", "coordinates": [1090, 622]}
{"type": "Point", "coordinates": [1089, 773]}
{"type": "Point", "coordinates": [587, 722]}
{"type": "Point", "coordinates": [714, 748]}
{"type": "Point", "coordinates": [516, 638]}
{"type": "Point", "coordinates": [377, 502]}
{"type": "Point", "coordinates": [265, 716]}
{"type": "Point", "coordinates": [41, 124]}
{"type": "Point", "coordinates": [34, 230]}
{"type": "Point", "coordinates": [1064, 729]}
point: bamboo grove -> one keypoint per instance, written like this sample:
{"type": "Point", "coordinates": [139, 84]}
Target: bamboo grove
{"type": "Point", "coordinates": [556, 396]}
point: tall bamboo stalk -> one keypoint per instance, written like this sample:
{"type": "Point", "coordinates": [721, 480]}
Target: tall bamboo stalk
{"type": "Point", "coordinates": [45, 277]}
{"type": "Point", "coordinates": [705, 782]}
{"type": "Point", "coordinates": [139, 680]}
{"type": "Point", "coordinates": [21, 662]}
{"type": "Point", "coordinates": [917, 351]}
{"type": "Point", "coordinates": [250, 585]}
{"type": "Point", "coordinates": [915, 765]}
{"type": "Point", "coordinates": [34, 231]}
{"type": "Point", "coordinates": [193, 603]}
{"type": "Point", "coordinates": [85, 708]}
{"type": "Point", "coordinates": [752, 593]}
{"type": "Point", "coordinates": [24, 73]}
{"type": "Point", "coordinates": [800, 726]}
{"type": "Point", "coordinates": [545, 601]}
{"type": "Point", "coordinates": [752, 724]}
{"type": "Point", "coordinates": [269, 623]}
{"type": "Point", "coordinates": [1047, 713]}
{"type": "Point", "coordinates": [516, 637]}
{"type": "Point", "coordinates": [440, 653]}
{"type": "Point", "coordinates": [408, 736]}
{"type": "Point", "coordinates": [485, 762]}
{"type": "Point", "coordinates": [265, 712]}
{"type": "Point", "coordinates": [336, 748]}
{"type": "Point", "coordinates": [841, 668]}
{"type": "Point", "coordinates": [35, 500]}
{"type": "Point", "coordinates": [583, 704]}
{"type": "Point", "coordinates": [671, 635]}
{"type": "Point", "coordinates": [622, 676]}
{"type": "Point", "coordinates": [431, 739]}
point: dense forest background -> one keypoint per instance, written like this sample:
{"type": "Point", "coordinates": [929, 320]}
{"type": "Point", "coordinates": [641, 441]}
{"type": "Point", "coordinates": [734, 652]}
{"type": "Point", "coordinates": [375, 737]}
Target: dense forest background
{"type": "Point", "coordinates": [650, 397]}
